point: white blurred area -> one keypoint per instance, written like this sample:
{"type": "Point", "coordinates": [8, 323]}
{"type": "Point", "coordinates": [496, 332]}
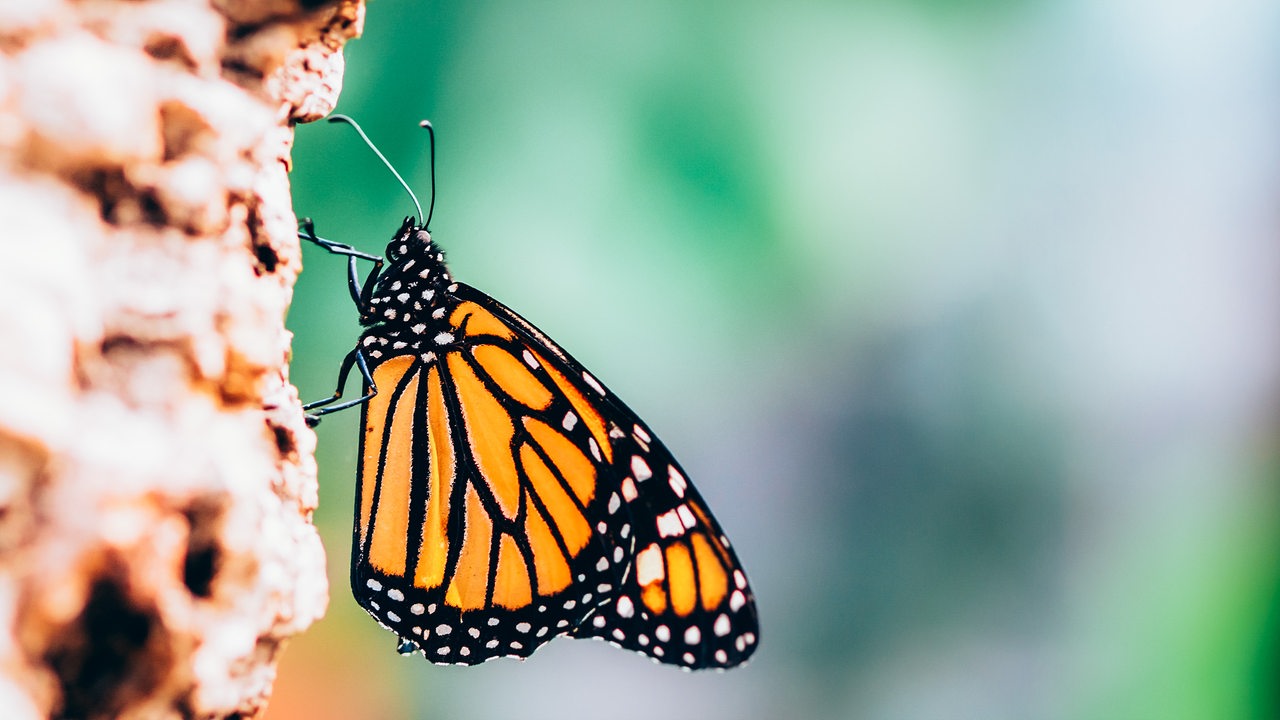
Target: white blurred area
{"type": "Point", "coordinates": [984, 391]}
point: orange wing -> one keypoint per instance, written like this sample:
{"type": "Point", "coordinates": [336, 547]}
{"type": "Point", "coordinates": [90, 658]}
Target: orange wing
{"type": "Point", "coordinates": [505, 497]}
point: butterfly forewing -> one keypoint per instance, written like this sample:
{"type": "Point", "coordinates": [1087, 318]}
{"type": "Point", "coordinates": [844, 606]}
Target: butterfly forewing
{"type": "Point", "coordinates": [505, 497]}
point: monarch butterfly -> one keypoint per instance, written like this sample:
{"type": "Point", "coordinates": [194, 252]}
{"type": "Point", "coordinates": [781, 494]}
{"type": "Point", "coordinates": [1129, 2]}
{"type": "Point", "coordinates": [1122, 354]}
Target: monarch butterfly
{"type": "Point", "coordinates": [505, 496]}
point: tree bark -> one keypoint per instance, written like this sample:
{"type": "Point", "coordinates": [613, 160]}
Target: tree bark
{"type": "Point", "coordinates": [156, 477]}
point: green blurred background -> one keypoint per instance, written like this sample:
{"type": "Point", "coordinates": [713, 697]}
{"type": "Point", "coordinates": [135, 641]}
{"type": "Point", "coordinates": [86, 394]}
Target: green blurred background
{"type": "Point", "coordinates": [963, 316]}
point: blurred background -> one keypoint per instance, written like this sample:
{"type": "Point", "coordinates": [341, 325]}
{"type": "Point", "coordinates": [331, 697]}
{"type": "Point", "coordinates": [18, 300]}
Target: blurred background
{"type": "Point", "coordinates": [964, 316]}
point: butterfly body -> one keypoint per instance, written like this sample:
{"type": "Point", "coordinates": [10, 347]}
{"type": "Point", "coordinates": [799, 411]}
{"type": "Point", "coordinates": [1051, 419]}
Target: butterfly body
{"type": "Point", "coordinates": [505, 497]}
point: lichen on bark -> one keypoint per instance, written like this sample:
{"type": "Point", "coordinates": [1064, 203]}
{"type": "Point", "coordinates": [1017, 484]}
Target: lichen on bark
{"type": "Point", "coordinates": [156, 477]}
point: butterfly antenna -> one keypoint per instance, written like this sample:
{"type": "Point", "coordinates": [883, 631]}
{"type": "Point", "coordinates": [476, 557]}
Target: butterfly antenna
{"type": "Point", "coordinates": [376, 151]}
{"type": "Point", "coordinates": [432, 134]}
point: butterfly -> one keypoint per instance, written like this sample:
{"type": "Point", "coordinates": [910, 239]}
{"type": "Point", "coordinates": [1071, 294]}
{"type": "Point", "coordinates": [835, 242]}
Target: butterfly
{"type": "Point", "coordinates": [506, 497]}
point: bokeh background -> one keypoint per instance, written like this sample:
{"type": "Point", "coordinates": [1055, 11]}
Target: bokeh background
{"type": "Point", "coordinates": [963, 315]}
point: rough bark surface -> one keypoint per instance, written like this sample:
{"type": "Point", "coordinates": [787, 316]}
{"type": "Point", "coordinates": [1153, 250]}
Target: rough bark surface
{"type": "Point", "coordinates": [156, 476]}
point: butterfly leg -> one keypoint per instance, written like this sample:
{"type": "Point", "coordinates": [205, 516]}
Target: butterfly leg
{"type": "Point", "coordinates": [360, 292]}
{"type": "Point", "coordinates": [323, 407]}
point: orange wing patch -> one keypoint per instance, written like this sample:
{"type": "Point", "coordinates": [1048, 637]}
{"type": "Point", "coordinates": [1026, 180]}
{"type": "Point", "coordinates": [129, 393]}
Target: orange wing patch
{"type": "Point", "coordinates": [680, 575]}
{"type": "Point", "coordinates": [471, 576]}
{"type": "Point", "coordinates": [713, 579]}
{"type": "Point", "coordinates": [511, 586]}
{"type": "Point", "coordinates": [479, 321]}
{"type": "Point", "coordinates": [434, 552]}
{"type": "Point", "coordinates": [390, 516]}
{"type": "Point", "coordinates": [489, 432]}
{"type": "Point", "coordinates": [513, 377]}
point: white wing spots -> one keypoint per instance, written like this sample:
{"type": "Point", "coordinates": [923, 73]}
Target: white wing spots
{"type": "Point", "coordinates": [403, 297]}
{"type": "Point", "coordinates": [689, 658]}
{"type": "Point", "coordinates": [569, 421]}
{"type": "Point", "coordinates": [542, 631]}
{"type": "Point", "coordinates": [453, 287]}
{"type": "Point", "coordinates": [492, 644]}
{"type": "Point", "coordinates": [393, 617]}
{"type": "Point", "coordinates": [626, 531]}
{"type": "Point", "coordinates": [615, 502]}
{"type": "Point", "coordinates": [617, 554]}
{"type": "Point", "coordinates": [722, 657]}
{"type": "Point", "coordinates": [602, 528]}
{"type": "Point", "coordinates": [598, 621]}
{"type": "Point", "coordinates": [444, 338]}
{"type": "Point", "coordinates": [643, 640]}
{"type": "Point", "coordinates": [431, 608]}
{"type": "Point", "coordinates": [395, 594]}
{"type": "Point", "coordinates": [615, 432]}
{"type": "Point", "coordinates": [686, 517]}
{"type": "Point", "coordinates": [529, 359]}
{"type": "Point", "coordinates": [658, 652]}
{"type": "Point", "coordinates": [677, 481]}
{"type": "Point", "coordinates": [739, 579]}
{"type": "Point", "coordinates": [749, 637]}
{"type": "Point", "coordinates": [493, 622]}
{"type": "Point", "coordinates": [629, 489]}
{"type": "Point", "coordinates": [640, 468]}
{"type": "Point", "coordinates": [737, 600]}
{"type": "Point", "coordinates": [562, 623]}
{"type": "Point", "coordinates": [626, 608]}
{"type": "Point", "coordinates": [641, 433]}
{"type": "Point", "coordinates": [395, 286]}
{"type": "Point", "coordinates": [693, 635]}
{"type": "Point", "coordinates": [663, 633]}
{"type": "Point", "coordinates": [369, 341]}
{"type": "Point", "coordinates": [617, 633]}
{"type": "Point", "coordinates": [443, 650]}
{"type": "Point", "coordinates": [399, 345]}
{"type": "Point", "coordinates": [443, 629]}
{"type": "Point", "coordinates": [603, 564]}
{"type": "Point", "coordinates": [438, 313]}
{"type": "Point", "coordinates": [649, 565]}
{"type": "Point", "coordinates": [402, 249]}
{"type": "Point", "coordinates": [417, 609]}
{"type": "Point", "coordinates": [669, 524]}
{"type": "Point", "coordinates": [570, 604]}
{"type": "Point", "coordinates": [721, 628]}
{"type": "Point", "coordinates": [429, 294]}
{"type": "Point", "coordinates": [586, 598]}
{"type": "Point", "coordinates": [474, 632]}
{"type": "Point", "coordinates": [389, 314]}
{"type": "Point", "coordinates": [595, 449]}
{"type": "Point", "coordinates": [724, 540]}
{"type": "Point", "coordinates": [426, 273]}
{"type": "Point", "coordinates": [514, 645]}
{"type": "Point", "coordinates": [464, 651]}
{"type": "Point", "coordinates": [373, 585]}
{"type": "Point", "coordinates": [374, 605]}
{"type": "Point", "coordinates": [595, 384]}
{"type": "Point", "coordinates": [417, 329]}
{"type": "Point", "coordinates": [523, 627]}
{"type": "Point", "coordinates": [603, 588]}
{"type": "Point", "coordinates": [418, 631]}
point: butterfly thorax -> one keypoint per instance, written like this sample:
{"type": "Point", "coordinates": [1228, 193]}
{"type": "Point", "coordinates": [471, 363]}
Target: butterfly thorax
{"type": "Point", "coordinates": [410, 300]}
